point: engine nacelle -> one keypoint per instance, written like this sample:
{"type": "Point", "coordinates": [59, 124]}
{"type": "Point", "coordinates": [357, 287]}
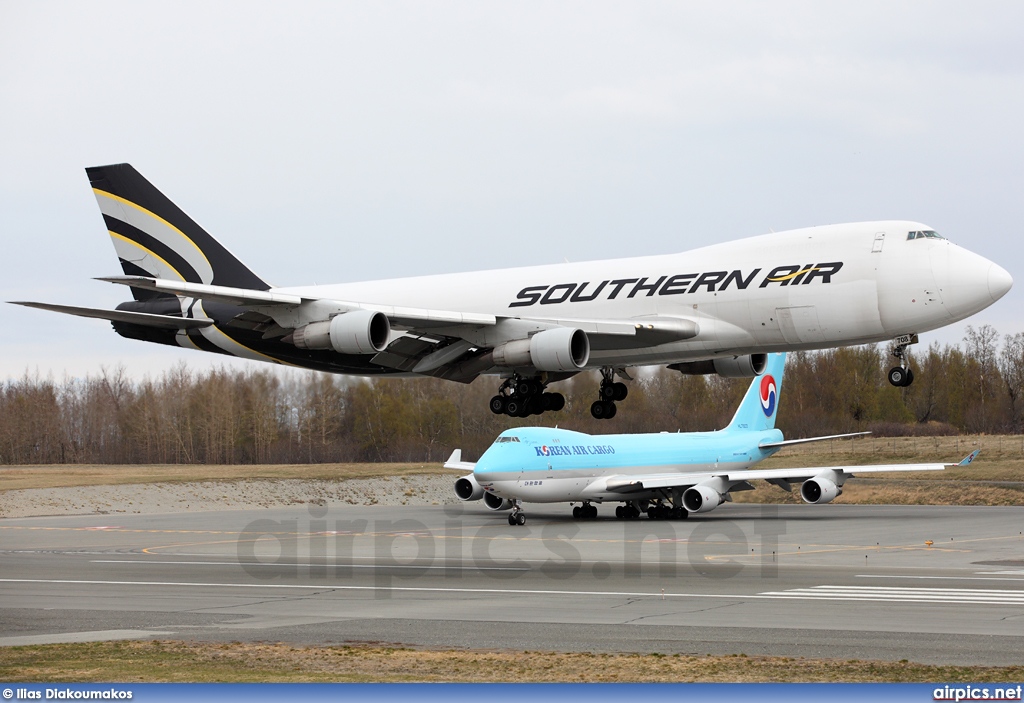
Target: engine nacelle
{"type": "Point", "coordinates": [495, 503]}
{"type": "Point", "coordinates": [559, 349]}
{"type": "Point", "coordinates": [466, 488]}
{"type": "Point", "coordinates": [701, 499]}
{"type": "Point", "coordinates": [819, 490]}
{"type": "Point", "coordinates": [746, 366]}
{"type": "Point", "coordinates": [742, 366]}
{"type": "Point", "coordinates": [356, 332]}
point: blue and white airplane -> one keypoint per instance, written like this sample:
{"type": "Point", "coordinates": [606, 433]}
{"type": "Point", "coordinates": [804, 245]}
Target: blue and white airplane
{"type": "Point", "coordinates": [666, 475]}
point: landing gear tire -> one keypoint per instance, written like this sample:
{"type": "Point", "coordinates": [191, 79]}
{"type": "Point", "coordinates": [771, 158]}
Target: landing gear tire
{"type": "Point", "coordinates": [553, 401]}
{"type": "Point", "coordinates": [900, 377]}
{"type": "Point", "coordinates": [620, 391]}
{"type": "Point", "coordinates": [603, 409]}
{"type": "Point", "coordinates": [512, 519]}
{"type": "Point", "coordinates": [497, 404]}
{"type": "Point", "coordinates": [520, 519]}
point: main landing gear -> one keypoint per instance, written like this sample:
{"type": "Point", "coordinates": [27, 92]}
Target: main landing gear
{"type": "Point", "coordinates": [522, 397]}
{"type": "Point", "coordinates": [610, 391]}
{"type": "Point", "coordinates": [629, 511]}
{"type": "Point", "coordinates": [902, 375]}
{"type": "Point", "coordinates": [662, 510]}
{"type": "Point", "coordinates": [517, 516]}
{"type": "Point", "coordinates": [585, 511]}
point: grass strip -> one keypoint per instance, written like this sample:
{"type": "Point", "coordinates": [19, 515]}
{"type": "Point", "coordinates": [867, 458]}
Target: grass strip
{"type": "Point", "coordinates": [68, 475]}
{"type": "Point", "coordinates": [173, 661]}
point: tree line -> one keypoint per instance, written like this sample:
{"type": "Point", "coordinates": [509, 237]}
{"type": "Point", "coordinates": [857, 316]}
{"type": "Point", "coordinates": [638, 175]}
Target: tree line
{"type": "Point", "coordinates": [266, 415]}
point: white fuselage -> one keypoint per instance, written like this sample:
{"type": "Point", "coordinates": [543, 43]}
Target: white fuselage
{"type": "Point", "coordinates": [803, 289]}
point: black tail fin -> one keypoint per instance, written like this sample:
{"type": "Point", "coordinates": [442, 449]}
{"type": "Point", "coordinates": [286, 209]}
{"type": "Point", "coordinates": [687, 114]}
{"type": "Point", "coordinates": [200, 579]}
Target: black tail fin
{"type": "Point", "coordinates": [154, 237]}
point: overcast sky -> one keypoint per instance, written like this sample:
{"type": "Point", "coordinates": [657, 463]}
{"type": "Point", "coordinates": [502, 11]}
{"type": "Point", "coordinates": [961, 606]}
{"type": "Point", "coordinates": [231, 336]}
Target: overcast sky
{"type": "Point", "coordinates": [328, 142]}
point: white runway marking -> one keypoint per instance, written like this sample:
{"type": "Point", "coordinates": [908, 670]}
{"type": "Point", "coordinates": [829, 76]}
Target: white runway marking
{"type": "Point", "coordinates": [835, 593]}
{"type": "Point", "coordinates": [940, 578]}
{"type": "Point", "coordinates": [904, 595]}
{"type": "Point", "coordinates": [306, 564]}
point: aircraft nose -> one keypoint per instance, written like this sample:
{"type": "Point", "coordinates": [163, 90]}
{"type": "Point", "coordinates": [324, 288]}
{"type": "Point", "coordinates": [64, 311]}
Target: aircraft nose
{"type": "Point", "coordinates": [969, 282]}
{"type": "Point", "coordinates": [999, 282]}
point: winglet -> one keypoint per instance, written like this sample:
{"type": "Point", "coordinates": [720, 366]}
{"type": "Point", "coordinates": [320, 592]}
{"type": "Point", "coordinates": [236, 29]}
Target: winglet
{"type": "Point", "coordinates": [969, 458]}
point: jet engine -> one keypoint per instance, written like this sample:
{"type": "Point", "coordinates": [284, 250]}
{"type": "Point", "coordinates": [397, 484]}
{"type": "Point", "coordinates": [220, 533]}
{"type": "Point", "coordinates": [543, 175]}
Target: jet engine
{"type": "Point", "coordinates": [356, 332]}
{"type": "Point", "coordinates": [466, 488]}
{"type": "Point", "coordinates": [495, 503]}
{"type": "Point", "coordinates": [819, 490]}
{"type": "Point", "coordinates": [559, 349]}
{"type": "Point", "coordinates": [746, 366]}
{"type": "Point", "coordinates": [701, 498]}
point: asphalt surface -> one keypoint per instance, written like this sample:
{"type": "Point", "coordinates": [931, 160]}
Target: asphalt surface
{"type": "Point", "coordinates": [836, 581]}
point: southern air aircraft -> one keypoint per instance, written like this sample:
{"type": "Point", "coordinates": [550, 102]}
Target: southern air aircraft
{"type": "Point", "coordinates": [667, 475]}
{"type": "Point", "coordinates": [715, 310]}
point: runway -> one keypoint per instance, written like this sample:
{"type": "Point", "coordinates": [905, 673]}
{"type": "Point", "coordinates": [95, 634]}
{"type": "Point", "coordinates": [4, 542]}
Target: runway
{"type": "Point", "coordinates": [836, 581]}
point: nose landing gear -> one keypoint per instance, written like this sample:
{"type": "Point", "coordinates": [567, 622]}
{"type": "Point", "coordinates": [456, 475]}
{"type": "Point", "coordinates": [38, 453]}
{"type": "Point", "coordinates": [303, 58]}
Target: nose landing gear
{"type": "Point", "coordinates": [517, 516]}
{"type": "Point", "coordinates": [902, 376]}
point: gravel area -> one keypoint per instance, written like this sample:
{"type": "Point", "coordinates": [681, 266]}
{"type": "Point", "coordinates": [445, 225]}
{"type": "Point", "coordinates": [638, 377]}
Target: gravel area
{"type": "Point", "coordinates": [224, 495]}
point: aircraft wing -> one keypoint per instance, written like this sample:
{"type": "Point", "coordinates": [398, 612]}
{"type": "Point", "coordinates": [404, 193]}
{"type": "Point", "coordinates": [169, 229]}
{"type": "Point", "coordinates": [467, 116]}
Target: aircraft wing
{"type": "Point", "coordinates": [443, 343]}
{"type": "Point", "coordinates": [676, 327]}
{"type": "Point", "coordinates": [780, 477]}
{"type": "Point", "coordinates": [245, 297]}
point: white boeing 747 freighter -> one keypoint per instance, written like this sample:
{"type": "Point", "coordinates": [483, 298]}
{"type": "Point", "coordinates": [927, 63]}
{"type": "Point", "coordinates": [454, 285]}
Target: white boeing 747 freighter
{"type": "Point", "coordinates": [719, 309]}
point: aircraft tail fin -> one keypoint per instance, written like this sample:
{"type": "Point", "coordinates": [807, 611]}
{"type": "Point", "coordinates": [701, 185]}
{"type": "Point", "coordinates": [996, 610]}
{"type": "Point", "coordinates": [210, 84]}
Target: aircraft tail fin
{"type": "Point", "coordinates": [154, 237]}
{"type": "Point", "coordinates": [760, 405]}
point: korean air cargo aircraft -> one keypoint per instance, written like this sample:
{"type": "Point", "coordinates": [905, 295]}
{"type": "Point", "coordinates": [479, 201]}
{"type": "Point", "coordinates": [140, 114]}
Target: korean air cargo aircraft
{"type": "Point", "coordinates": [719, 309]}
{"type": "Point", "coordinates": [668, 476]}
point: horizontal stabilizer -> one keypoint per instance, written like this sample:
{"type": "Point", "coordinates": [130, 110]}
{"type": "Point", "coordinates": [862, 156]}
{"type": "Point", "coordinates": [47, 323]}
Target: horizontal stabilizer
{"type": "Point", "coordinates": [455, 462]}
{"type": "Point", "coordinates": [167, 322]}
{"type": "Point", "coordinates": [786, 443]}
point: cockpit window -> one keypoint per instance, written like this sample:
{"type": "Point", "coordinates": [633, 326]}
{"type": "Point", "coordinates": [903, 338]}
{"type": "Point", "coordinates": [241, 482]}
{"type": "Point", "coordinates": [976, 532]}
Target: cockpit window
{"type": "Point", "coordinates": [500, 440]}
{"type": "Point", "coordinates": [924, 234]}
